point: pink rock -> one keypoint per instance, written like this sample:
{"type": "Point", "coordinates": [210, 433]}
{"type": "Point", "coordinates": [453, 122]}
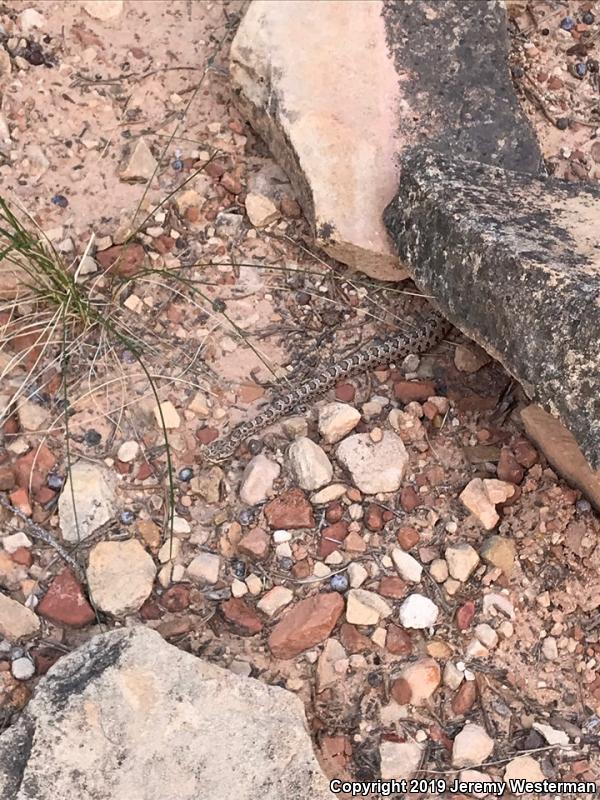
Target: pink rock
{"type": "Point", "coordinates": [255, 544]}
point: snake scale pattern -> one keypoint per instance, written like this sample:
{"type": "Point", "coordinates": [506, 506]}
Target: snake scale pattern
{"type": "Point", "coordinates": [431, 331]}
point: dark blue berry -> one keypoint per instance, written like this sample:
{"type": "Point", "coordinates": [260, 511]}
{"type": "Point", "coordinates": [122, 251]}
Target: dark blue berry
{"type": "Point", "coordinates": [246, 516]}
{"type": "Point", "coordinates": [580, 69]}
{"type": "Point", "coordinates": [567, 23]}
{"type": "Point", "coordinates": [186, 474]}
{"type": "Point", "coordinates": [592, 65]}
{"type": "Point", "coordinates": [177, 164]}
{"type": "Point", "coordinates": [127, 517]}
{"type": "Point", "coordinates": [562, 123]}
{"type": "Point", "coordinates": [239, 569]}
{"type": "Point", "coordinates": [339, 583]}
{"type": "Point", "coordinates": [286, 563]}
{"type": "Point", "coordinates": [92, 437]}
{"type": "Point", "coordinates": [54, 481]}
{"type": "Point", "coordinates": [60, 200]}
{"type": "Point", "coordinates": [583, 506]}
{"type": "Point", "coordinates": [254, 446]}
{"type": "Point", "coordinates": [588, 18]}
{"type": "Point", "coordinates": [517, 72]}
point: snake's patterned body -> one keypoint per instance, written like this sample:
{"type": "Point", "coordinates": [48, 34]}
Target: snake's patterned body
{"type": "Point", "coordinates": [427, 335]}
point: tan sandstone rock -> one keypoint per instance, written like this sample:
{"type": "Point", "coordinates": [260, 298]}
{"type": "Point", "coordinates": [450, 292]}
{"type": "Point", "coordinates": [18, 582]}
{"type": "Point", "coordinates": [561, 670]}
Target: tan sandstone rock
{"type": "Point", "coordinates": [333, 128]}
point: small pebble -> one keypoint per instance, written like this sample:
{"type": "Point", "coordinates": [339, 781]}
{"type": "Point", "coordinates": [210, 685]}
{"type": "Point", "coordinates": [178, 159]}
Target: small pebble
{"type": "Point", "coordinates": [22, 668]}
{"type": "Point", "coordinates": [583, 506]}
{"type": "Point", "coordinates": [286, 563]}
{"type": "Point", "coordinates": [517, 72]}
{"type": "Point", "coordinates": [339, 583]}
{"type": "Point", "coordinates": [127, 517]}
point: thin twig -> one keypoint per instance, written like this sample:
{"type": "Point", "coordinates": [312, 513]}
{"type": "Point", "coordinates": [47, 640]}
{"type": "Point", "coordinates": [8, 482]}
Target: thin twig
{"type": "Point", "coordinates": [40, 533]}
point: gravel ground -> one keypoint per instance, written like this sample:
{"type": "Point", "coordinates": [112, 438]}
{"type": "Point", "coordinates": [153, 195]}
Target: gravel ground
{"type": "Point", "coordinates": [442, 612]}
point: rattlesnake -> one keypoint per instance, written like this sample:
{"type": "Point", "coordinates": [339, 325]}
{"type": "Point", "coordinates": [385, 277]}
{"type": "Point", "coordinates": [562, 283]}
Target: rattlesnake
{"type": "Point", "coordinates": [431, 331]}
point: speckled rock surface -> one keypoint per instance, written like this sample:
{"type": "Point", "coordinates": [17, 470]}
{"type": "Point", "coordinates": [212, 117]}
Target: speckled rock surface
{"type": "Point", "coordinates": [91, 730]}
{"type": "Point", "coordinates": [514, 262]}
{"type": "Point", "coordinates": [452, 57]}
{"type": "Point", "coordinates": [371, 79]}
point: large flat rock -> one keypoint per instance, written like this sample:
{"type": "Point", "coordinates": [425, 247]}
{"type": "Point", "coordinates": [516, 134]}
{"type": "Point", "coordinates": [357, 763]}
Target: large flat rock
{"type": "Point", "coordinates": [129, 717]}
{"type": "Point", "coordinates": [339, 88]}
{"type": "Point", "coordinates": [514, 262]}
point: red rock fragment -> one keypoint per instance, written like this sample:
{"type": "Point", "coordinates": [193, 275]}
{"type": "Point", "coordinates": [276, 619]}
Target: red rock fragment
{"type": "Point", "coordinates": [465, 615]}
{"type": "Point", "coordinates": [374, 517]}
{"type": "Point", "coordinates": [44, 658]}
{"type": "Point", "coordinates": [151, 609]}
{"type": "Point", "coordinates": [207, 435]}
{"type": "Point", "coordinates": [409, 499]}
{"type": "Point", "coordinates": [290, 208]}
{"type": "Point", "coordinates": [242, 618]}
{"type": "Point", "coordinates": [290, 511]}
{"type": "Point", "coordinates": [407, 537]}
{"type": "Point", "coordinates": [392, 586]}
{"type": "Point", "coordinates": [22, 556]}
{"type": "Point", "coordinates": [353, 640]}
{"type": "Point", "coordinates": [65, 602]}
{"type": "Point", "coordinates": [525, 453]}
{"type": "Point", "coordinates": [398, 641]}
{"type": "Point", "coordinates": [306, 624]}
{"type": "Point", "coordinates": [334, 512]}
{"type": "Point", "coordinates": [407, 391]}
{"type": "Point", "coordinates": [344, 392]}
{"type": "Point", "coordinates": [508, 468]}
{"type": "Point", "coordinates": [33, 467]}
{"type": "Point", "coordinates": [336, 752]}
{"type": "Point", "coordinates": [331, 538]}
{"type": "Point", "coordinates": [255, 544]}
{"type": "Point", "coordinates": [464, 698]}
{"type": "Point", "coordinates": [176, 598]}
{"type": "Point", "coordinates": [20, 499]}
{"type": "Point", "coordinates": [401, 691]}
{"type": "Point", "coordinates": [125, 260]}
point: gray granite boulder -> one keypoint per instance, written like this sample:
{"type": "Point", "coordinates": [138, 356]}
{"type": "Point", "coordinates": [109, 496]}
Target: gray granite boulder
{"type": "Point", "coordinates": [129, 716]}
{"type": "Point", "coordinates": [514, 262]}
